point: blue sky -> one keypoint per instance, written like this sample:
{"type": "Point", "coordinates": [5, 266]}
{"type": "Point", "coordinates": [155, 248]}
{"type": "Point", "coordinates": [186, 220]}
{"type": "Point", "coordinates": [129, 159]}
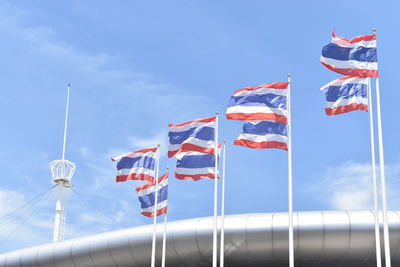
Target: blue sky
{"type": "Point", "coordinates": [136, 66]}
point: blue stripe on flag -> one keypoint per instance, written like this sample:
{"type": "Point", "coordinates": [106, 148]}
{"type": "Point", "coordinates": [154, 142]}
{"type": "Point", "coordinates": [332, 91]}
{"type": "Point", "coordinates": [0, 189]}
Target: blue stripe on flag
{"type": "Point", "coordinates": [359, 53]}
{"type": "Point", "coordinates": [140, 162]}
{"type": "Point", "coordinates": [264, 128]}
{"type": "Point", "coordinates": [202, 133]}
{"type": "Point", "coordinates": [269, 100]}
{"type": "Point", "coordinates": [148, 200]}
{"type": "Point", "coordinates": [196, 161]}
{"type": "Point", "coordinates": [333, 93]}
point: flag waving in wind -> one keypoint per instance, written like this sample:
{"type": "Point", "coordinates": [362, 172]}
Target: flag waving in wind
{"type": "Point", "coordinates": [137, 165]}
{"type": "Point", "coordinates": [264, 107]}
{"type": "Point", "coordinates": [196, 135]}
{"type": "Point", "coordinates": [146, 194]}
{"type": "Point", "coordinates": [354, 57]}
{"type": "Point", "coordinates": [346, 94]}
{"type": "Point", "coordinates": [262, 102]}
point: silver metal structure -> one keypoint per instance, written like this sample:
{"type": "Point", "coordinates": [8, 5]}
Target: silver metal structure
{"type": "Point", "coordinates": [321, 239]}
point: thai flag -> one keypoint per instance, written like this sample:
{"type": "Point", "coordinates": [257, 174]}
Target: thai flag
{"type": "Point", "coordinates": [263, 102]}
{"type": "Point", "coordinates": [196, 135]}
{"type": "Point", "coordinates": [147, 195]}
{"type": "Point", "coordinates": [346, 94]}
{"type": "Point", "coordinates": [354, 57]}
{"type": "Point", "coordinates": [137, 165]}
{"type": "Point", "coordinates": [263, 134]}
{"type": "Point", "coordinates": [195, 166]}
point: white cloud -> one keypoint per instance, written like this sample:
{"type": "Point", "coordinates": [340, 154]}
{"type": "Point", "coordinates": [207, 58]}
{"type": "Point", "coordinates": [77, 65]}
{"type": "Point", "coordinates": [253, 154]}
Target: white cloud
{"type": "Point", "coordinates": [349, 186]}
{"type": "Point", "coordinates": [22, 220]}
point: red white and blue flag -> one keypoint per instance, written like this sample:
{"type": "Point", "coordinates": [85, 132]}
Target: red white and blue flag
{"type": "Point", "coordinates": [195, 166]}
{"type": "Point", "coordinates": [262, 102]}
{"type": "Point", "coordinates": [346, 94]}
{"type": "Point", "coordinates": [147, 195]}
{"type": "Point", "coordinates": [263, 134]}
{"type": "Point", "coordinates": [196, 135]}
{"type": "Point", "coordinates": [137, 165]}
{"type": "Point", "coordinates": [354, 57]}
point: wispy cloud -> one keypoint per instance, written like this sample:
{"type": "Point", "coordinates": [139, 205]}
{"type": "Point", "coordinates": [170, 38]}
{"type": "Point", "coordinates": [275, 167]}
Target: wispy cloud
{"type": "Point", "coordinates": [22, 220]}
{"type": "Point", "coordinates": [349, 186]}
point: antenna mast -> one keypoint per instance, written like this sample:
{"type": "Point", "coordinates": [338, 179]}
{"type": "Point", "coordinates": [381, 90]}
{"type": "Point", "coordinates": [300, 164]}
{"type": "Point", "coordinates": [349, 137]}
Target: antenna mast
{"type": "Point", "coordinates": [62, 171]}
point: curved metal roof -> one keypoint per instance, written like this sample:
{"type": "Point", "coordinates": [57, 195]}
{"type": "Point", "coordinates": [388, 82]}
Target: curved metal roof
{"type": "Point", "coordinates": [324, 238]}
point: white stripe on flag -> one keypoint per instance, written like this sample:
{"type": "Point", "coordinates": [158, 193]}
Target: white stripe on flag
{"type": "Point", "coordinates": [263, 138]}
{"type": "Point", "coordinates": [187, 127]}
{"type": "Point", "coordinates": [256, 109]}
{"type": "Point", "coordinates": [262, 91]}
{"type": "Point", "coordinates": [160, 205]}
{"type": "Point", "coordinates": [152, 189]}
{"type": "Point", "coordinates": [195, 171]}
{"type": "Point", "coordinates": [193, 141]}
{"type": "Point", "coordinates": [135, 170]}
{"type": "Point", "coordinates": [349, 64]}
{"type": "Point", "coordinates": [344, 102]}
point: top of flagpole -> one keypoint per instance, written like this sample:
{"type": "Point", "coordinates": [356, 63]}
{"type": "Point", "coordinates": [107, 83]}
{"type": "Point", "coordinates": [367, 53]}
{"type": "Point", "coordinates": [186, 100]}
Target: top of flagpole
{"type": "Point", "coordinates": [374, 30]}
{"type": "Point", "coordinates": [289, 75]}
{"type": "Point", "coordinates": [66, 122]}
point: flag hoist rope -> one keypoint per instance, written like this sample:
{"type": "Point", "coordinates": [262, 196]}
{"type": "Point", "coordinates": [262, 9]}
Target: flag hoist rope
{"type": "Point", "coordinates": [215, 236]}
{"type": "Point", "coordinates": [374, 184]}
{"type": "Point", "coordinates": [153, 248]}
{"type": "Point", "coordinates": [222, 245]}
{"type": "Point", "coordinates": [383, 178]}
{"type": "Point", "coordinates": [290, 198]}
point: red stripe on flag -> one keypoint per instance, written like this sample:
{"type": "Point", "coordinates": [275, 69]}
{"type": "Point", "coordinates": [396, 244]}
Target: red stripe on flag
{"type": "Point", "coordinates": [362, 73]}
{"type": "Point", "coordinates": [368, 37]}
{"type": "Point", "coordinates": [159, 212]}
{"type": "Point", "coordinates": [345, 109]}
{"type": "Point", "coordinates": [153, 149]}
{"type": "Point", "coordinates": [257, 116]}
{"type": "Point", "coordinates": [210, 119]}
{"type": "Point", "coordinates": [189, 148]}
{"type": "Point", "coordinates": [134, 176]}
{"type": "Point", "coordinates": [195, 177]}
{"type": "Point", "coordinates": [268, 144]}
{"type": "Point", "coordinates": [266, 85]}
{"type": "Point", "coordinates": [151, 183]}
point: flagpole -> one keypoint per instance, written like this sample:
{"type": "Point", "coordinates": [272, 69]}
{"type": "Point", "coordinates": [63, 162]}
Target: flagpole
{"type": "Point", "coordinates": [164, 235]}
{"type": "Point", "coordinates": [290, 197]}
{"type": "Point", "coordinates": [215, 236]}
{"type": "Point", "coordinates": [222, 245]}
{"type": "Point", "coordinates": [164, 240]}
{"type": "Point", "coordinates": [153, 248]}
{"type": "Point", "coordinates": [382, 173]}
{"type": "Point", "coordinates": [375, 187]}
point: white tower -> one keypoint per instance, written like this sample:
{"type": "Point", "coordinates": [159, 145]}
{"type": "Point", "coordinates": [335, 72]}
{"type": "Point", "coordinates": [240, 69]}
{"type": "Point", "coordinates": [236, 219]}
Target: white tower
{"type": "Point", "coordinates": [62, 171]}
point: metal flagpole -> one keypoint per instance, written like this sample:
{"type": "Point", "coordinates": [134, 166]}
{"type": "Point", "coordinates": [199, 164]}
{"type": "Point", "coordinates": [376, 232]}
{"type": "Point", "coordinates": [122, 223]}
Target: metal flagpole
{"type": "Point", "coordinates": [153, 248]}
{"type": "Point", "coordinates": [164, 240]}
{"type": "Point", "coordinates": [374, 184]}
{"type": "Point", "coordinates": [215, 236]}
{"type": "Point", "coordinates": [222, 246]}
{"type": "Point", "coordinates": [66, 123]}
{"type": "Point", "coordinates": [62, 172]}
{"type": "Point", "coordinates": [383, 178]}
{"type": "Point", "coordinates": [290, 197]}
{"type": "Point", "coordinates": [164, 235]}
